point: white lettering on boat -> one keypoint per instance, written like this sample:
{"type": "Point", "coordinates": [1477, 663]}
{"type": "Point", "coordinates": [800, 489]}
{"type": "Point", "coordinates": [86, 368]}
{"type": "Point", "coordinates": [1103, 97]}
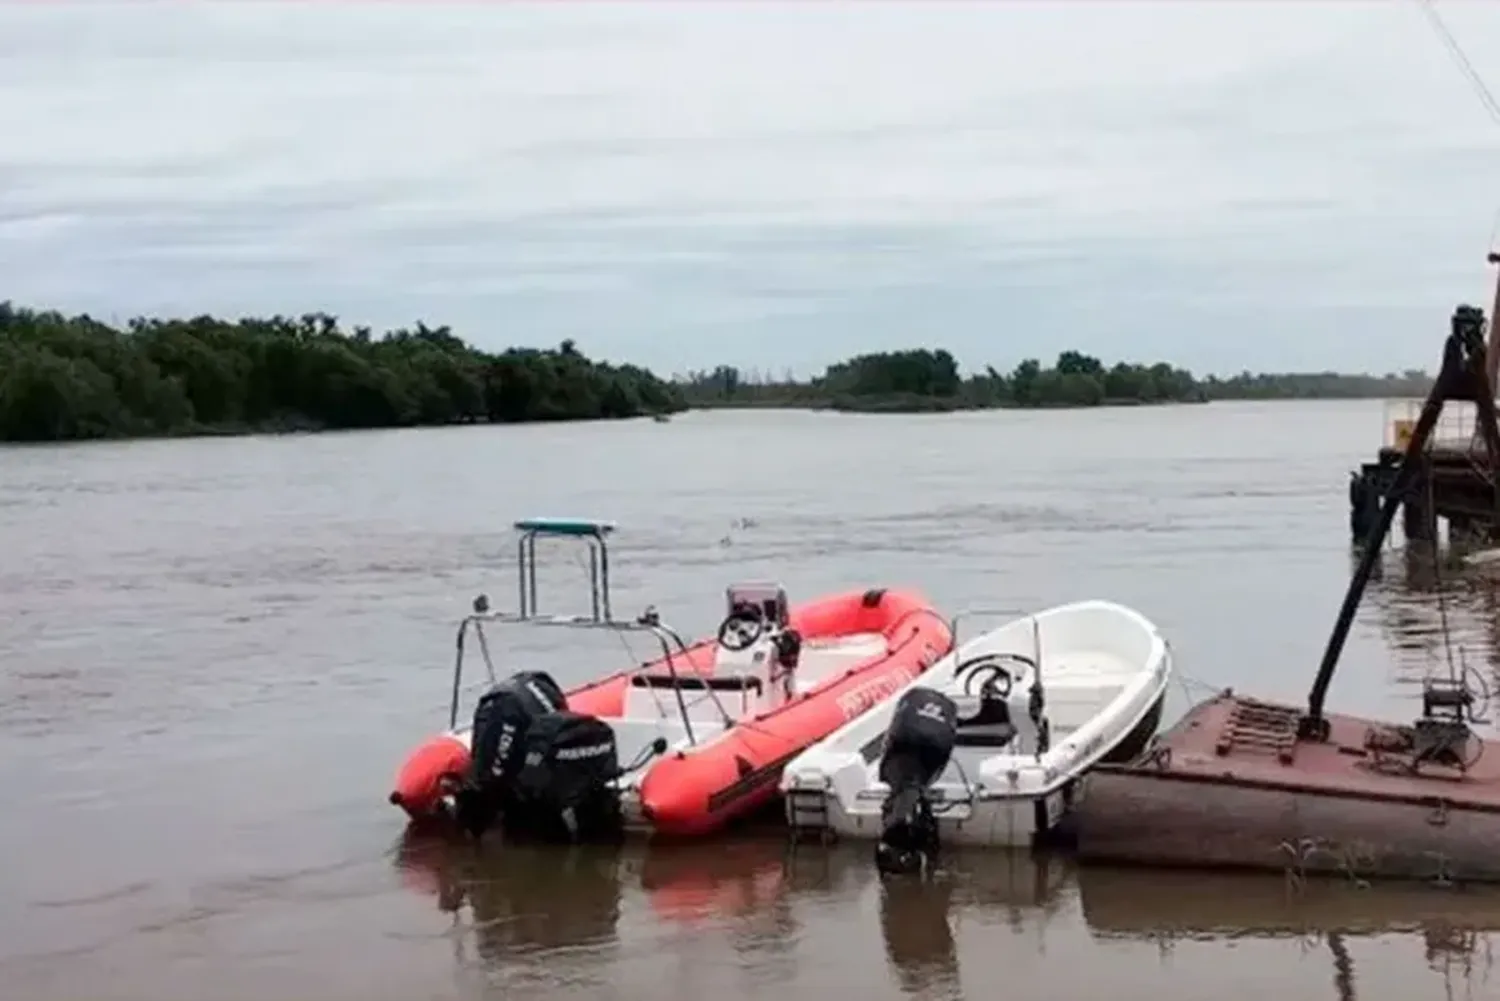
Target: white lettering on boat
{"type": "Point", "coordinates": [502, 750]}
{"type": "Point", "coordinates": [591, 751]}
{"type": "Point", "coordinates": [862, 697]}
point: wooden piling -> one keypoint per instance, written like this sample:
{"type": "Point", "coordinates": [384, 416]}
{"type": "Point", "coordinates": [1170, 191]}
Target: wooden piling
{"type": "Point", "coordinates": [1419, 508]}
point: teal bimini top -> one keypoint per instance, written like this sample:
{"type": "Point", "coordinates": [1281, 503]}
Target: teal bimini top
{"type": "Point", "coordinates": [565, 526]}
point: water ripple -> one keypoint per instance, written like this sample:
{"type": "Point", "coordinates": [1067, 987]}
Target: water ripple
{"type": "Point", "coordinates": [214, 654]}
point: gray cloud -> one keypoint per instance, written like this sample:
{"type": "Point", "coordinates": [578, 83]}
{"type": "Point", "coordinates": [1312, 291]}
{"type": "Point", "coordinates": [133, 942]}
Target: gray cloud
{"type": "Point", "coordinates": [1225, 185]}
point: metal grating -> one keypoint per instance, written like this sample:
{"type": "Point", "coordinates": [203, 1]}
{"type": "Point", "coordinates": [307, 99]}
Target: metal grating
{"type": "Point", "coordinates": [1260, 727]}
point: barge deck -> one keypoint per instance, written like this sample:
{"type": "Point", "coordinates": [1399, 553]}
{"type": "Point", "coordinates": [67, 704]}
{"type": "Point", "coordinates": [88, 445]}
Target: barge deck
{"type": "Point", "coordinates": [1233, 786]}
{"type": "Point", "coordinates": [1243, 783]}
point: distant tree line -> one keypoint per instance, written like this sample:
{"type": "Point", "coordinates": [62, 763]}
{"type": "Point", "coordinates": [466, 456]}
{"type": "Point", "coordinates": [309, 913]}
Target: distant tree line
{"type": "Point", "coordinates": [1318, 386]}
{"type": "Point", "coordinates": [65, 378]}
{"type": "Point", "coordinates": [930, 380]}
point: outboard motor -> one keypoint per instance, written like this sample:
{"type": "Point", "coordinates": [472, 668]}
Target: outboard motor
{"type": "Point", "coordinates": [918, 745]}
{"type": "Point", "coordinates": [502, 718]}
{"type": "Point", "coordinates": [565, 788]}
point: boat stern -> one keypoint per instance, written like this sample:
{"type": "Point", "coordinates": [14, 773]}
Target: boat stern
{"type": "Point", "coordinates": [820, 787]}
{"type": "Point", "coordinates": [424, 779]}
{"type": "Point", "coordinates": [805, 797]}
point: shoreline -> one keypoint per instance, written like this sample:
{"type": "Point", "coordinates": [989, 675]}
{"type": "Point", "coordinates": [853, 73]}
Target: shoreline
{"type": "Point", "coordinates": [296, 428]}
{"type": "Point", "coordinates": [936, 405]}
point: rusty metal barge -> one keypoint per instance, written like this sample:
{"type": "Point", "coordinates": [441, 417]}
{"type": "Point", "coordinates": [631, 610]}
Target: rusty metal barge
{"type": "Point", "coordinates": [1245, 783]}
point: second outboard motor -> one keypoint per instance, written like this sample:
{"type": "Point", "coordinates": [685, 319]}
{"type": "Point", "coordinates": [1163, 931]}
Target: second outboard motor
{"type": "Point", "coordinates": [565, 789]}
{"type": "Point", "coordinates": [918, 746]}
{"type": "Point", "coordinates": [502, 717]}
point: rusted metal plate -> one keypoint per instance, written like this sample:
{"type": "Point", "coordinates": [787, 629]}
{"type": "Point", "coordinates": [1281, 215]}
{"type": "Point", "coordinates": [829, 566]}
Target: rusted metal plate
{"type": "Point", "coordinates": [1237, 740]}
{"type": "Point", "coordinates": [1231, 785]}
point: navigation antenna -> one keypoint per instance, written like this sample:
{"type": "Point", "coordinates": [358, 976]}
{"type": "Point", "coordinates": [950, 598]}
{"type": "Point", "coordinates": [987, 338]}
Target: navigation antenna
{"type": "Point", "coordinates": [1456, 52]}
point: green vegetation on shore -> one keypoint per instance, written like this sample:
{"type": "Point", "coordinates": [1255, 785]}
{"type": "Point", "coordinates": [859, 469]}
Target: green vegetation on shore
{"type": "Point", "coordinates": [925, 380]}
{"type": "Point", "coordinates": [65, 378]}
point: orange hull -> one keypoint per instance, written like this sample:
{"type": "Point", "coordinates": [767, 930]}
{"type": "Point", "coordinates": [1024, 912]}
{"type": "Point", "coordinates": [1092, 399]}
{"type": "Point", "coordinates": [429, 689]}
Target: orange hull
{"type": "Point", "coordinates": [425, 775]}
{"type": "Point", "coordinates": [698, 790]}
{"type": "Point", "coordinates": [716, 878]}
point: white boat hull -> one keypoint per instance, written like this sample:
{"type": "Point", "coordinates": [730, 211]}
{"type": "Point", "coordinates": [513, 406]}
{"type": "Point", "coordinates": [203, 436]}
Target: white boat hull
{"type": "Point", "coordinates": [1104, 669]}
{"type": "Point", "coordinates": [994, 823]}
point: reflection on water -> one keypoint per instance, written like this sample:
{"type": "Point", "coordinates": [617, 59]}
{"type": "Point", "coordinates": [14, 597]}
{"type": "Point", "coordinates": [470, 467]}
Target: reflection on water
{"type": "Point", "coordinates": [1440, 618]}
{"type": "Point", "coordinates": [918, 935]}
{"type": "Point", "coordinates": [539, 918]}
{"type": "Point", "coordinates": [245, 636]}
{"type": "Point", "coordinates": [512, 900]}
{"type": "Point", "coordinates": [522, 907]}
{"type": "Point", "coordinates": [1455, 928]}
{"type": "Point", "coordinates": [917, 916]}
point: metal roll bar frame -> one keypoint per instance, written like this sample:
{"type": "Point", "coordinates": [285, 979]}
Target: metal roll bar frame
{"type": "Point", "coordinates": [601, 618]}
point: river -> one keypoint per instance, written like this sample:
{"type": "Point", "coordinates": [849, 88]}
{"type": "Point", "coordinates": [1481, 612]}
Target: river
{"type": "Point", "coordinates": [213, 654]}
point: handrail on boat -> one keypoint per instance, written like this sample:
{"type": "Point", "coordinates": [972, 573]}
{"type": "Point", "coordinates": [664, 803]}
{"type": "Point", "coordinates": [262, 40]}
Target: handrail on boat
{"type": "Point", "coordinates": [593, 534]}
{"type": "Point", "coordinates": [649, 622]}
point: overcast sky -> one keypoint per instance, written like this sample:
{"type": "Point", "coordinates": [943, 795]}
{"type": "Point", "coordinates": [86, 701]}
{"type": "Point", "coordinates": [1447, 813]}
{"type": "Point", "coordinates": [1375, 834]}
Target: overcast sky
{"type": "Point", "coordinates": [1255, 185]}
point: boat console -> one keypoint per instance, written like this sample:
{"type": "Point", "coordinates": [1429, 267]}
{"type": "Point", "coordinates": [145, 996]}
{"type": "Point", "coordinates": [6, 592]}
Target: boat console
{"type": "Point", "coordinates": [766, 602]}
{"type": "Point", "coordinates": [756, 638]}
{"type": "Point", "coordinates": [755, 645]}
{"type": "Point", "coordinates": [994, 694]}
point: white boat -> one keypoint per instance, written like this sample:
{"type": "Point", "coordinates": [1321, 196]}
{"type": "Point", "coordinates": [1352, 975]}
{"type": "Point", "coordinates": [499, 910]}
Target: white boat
{"type": "Point", "coordinates": [987, 747]}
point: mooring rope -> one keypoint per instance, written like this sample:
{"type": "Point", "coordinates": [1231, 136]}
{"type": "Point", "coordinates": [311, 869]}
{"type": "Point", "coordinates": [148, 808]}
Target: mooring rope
{"type": "Point", "coordinates": [1460, 59]}
{"type": "Point", "coordinates": [1470, 74]}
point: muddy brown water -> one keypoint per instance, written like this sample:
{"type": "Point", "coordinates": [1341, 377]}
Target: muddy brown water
{"type": "Point", "coordinates": [214, 653]}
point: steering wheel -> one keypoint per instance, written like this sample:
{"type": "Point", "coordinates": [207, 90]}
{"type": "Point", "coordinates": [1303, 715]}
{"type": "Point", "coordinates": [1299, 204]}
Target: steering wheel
{"type": "Point", "coordinates": [741, 629]}
{"type": "Point", "coordinates": [991, 667]}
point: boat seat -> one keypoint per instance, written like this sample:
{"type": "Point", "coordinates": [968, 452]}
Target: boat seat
{"type": "Point", "coordinates": [700, 682]}
{"type": "Point", "coordinates": [990, 727]}
{"type": "Point", "coordinates": [996, 735]}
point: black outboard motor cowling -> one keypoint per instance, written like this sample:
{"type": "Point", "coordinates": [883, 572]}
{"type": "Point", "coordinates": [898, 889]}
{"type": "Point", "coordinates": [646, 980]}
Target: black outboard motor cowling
{"type": "Point", "coordinates": [565, 788]}
{"type": "Point", "coordinates": [502, 718]}
{"type": "Point", "coordinates": [918, 746]}
{"type": "Point", "coordinates": [919, 743]}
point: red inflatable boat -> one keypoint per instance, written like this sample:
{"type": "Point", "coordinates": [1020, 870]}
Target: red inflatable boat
{"type": "Point", "coordinates": [681, 745]}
